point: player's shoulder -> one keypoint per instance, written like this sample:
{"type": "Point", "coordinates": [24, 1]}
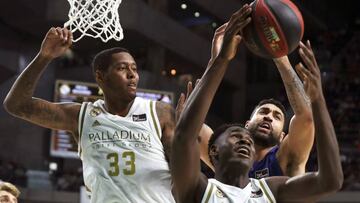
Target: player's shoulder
{"type": "Point", "coordinates": [69, 107]}
{"type": "Point", "coordinates": [165, 112]}
{"type": "Point", "coordinates": [275, 182]}
{"type": "Point", "coordinates": [86, 105]}
{"type": "Point", "coordinates": [164, 108]}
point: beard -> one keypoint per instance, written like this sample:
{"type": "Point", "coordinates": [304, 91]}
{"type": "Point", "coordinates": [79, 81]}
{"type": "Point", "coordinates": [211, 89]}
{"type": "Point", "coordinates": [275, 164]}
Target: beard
{"type": "Point", "coordinates": [262, 139]}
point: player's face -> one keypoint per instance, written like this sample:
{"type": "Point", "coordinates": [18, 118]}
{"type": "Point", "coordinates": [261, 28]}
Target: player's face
{"type": "Point", "coordinates": [236, 147]}
{"type": "Point", "coordinates": [266, 125]}
{"type": "Point", "coordinates": [122, 76]}
{"type": "Point", "coordinates": [6, 197]}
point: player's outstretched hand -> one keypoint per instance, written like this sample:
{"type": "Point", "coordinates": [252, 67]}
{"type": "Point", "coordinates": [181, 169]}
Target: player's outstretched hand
{"type": "Point", "coordinates": [232, 37]}
{"type": "Point", "coordinates": [56, 42]}
{"type": "Point", "coordinates": [217, 41]}
{"type": "Point", "coordinates": [311, 75]}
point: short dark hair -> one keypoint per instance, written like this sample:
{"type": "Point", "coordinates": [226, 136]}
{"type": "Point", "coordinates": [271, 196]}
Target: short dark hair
{"type": "Point", "coordinates": [270, 101]}
{"type": "Point", "coordinates": [219, 131]}
{"type": "Point", "coordinates": [102, 60]}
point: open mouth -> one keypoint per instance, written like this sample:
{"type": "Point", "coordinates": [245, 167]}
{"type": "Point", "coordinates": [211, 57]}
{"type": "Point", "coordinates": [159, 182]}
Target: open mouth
{"type": "Point", "coordinates": [265, 126]}
{"type": "Point", "coordinates": [243, 150]}
{"type": "Point", "coordinates": [132, 85]}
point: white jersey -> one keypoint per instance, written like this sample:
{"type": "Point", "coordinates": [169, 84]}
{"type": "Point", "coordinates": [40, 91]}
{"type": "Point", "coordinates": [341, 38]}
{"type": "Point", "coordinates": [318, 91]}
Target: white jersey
{"type": "Point", "coordinates": [123, 157]}
{"type": "Point", "coordinates": [257, 191]}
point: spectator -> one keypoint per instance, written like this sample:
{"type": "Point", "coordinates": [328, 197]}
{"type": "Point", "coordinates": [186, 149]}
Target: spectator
{"type": "Point", "coordinates": [8, 193]}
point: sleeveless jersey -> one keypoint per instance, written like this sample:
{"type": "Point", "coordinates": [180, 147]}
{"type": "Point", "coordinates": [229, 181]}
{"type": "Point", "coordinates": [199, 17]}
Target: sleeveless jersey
{"type": "Point", "coordinates": [123, 157]}
{"type": "Point", "coordinates": [268, 166]}
{"type": "Point", "coordinates": [257, 191]}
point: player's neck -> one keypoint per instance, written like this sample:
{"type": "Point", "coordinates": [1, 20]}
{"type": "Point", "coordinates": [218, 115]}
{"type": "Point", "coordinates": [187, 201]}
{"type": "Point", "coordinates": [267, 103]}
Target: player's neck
{"type": "Point", "coordinates": [230, 176]}
{"type": "Point", "coordinates": [117, 106]}
{"type": "Point", "coordinates": [261, 152]}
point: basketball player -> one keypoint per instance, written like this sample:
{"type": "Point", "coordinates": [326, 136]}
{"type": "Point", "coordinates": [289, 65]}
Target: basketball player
{"type": "Point", "coordinates": [124, 140]}
{"type": "Point", "coordinates": [8, 193]}
{"type": "Point", "coordinates": [267, 124]}
{"type": "Point", "coordinates": [277, 154]}
{"type": "Point", "coordinates": [232, 148]}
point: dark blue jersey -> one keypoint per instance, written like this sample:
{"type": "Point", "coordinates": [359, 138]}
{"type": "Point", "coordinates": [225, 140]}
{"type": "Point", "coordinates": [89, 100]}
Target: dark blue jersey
{"type": "Point", "coordinates": [268, 166]}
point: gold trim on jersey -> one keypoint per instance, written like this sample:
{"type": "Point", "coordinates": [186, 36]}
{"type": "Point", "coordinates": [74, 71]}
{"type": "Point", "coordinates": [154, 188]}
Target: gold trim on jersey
{"type": "Point", "coordinates": [265, 191]}
{"type": "Point", "coordinates": [209, 193]}
{"type": "Point", "coordinates": [81, 126]}
{"type": "Point", "coordinates": [87, 188]}
{"type": "Point", "coordinates": [153, 118]}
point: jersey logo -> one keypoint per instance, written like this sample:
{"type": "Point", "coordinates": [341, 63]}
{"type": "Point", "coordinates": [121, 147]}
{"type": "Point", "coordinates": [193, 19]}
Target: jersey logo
{"type": "Point", "coordinates": [96, 123]}
{"type": "Point", "coordinates": [256, 194]}
{"type": "Point", "coordinates": [95, 111]}
{"type": "Point", "coordinates": [262, 173]}
{"type": "Point", "coordinates": [139, 118]}
{"type": "Point", "coordinates": [219, 193]}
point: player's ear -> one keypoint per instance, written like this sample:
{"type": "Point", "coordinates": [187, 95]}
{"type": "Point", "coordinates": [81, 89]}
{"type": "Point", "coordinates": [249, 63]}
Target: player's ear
{"type": "Point", "coordinates": [214, 153]}
{"type": "Point", "coordinates": [247, 124]}
{"type": "Point", "coordinates": [99, 76]}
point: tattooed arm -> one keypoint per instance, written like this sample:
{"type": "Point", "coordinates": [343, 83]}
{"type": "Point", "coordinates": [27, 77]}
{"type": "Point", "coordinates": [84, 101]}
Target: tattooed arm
{"type": "Point", "coordinates": [295, 148]}
{"type": "Point", "coordinates": [19, 101]}
{"type": "Point", "coordinates": [166, 115]}
{"type": "Point", "coordinates": [312, 186]}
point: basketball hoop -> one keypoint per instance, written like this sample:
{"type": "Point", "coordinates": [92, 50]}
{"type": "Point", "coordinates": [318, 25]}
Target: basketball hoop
{"type": "Point", "coordinates": [95, 18]}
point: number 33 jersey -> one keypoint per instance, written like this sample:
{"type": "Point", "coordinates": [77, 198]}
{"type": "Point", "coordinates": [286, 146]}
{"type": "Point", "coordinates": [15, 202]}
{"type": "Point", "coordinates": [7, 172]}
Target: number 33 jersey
{"type": "Point", "coordinates": [123, 157]}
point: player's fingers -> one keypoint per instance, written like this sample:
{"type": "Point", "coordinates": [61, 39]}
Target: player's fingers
{"type": "Point", "coordinates": [189, 89]}
{"type": "Point", "coordinates": [69, 37]}
{"type": "Point", "coordinates": [308, 51]}
{"type": "Point", "coordinates": [306, 84]}
{"type": "Point", "coordinates": [308, 45]}
{"type": "Point", "coordinates": [53, 31]}
{"type": "Point", "coordinates": [65, 35]}
{"type": "Point", "coordinates": [234, 17]}
{"type": "Point", "coordinates": [197, 82]}
{"type": "Point", "coordinates": [241, 20]}
{"type": "Point", "coordinates": [305, 72]}
{"type": "Point", "coordinates": [221, 29]}
{"type": "Point", "coordinates": [313, 58]}
{"type": "Point", "coordinates": [59, 33]}
{"type": "Point", "coordinates": [242, 24]}
{"type": "Point", "coordinates": [180, 102]}
{"type": "Point", "coordinates": [242, 11]}
{"type": "Point", "coordinates": [306, 59]}
{"type": "Point", "coordinates": [298, 68]}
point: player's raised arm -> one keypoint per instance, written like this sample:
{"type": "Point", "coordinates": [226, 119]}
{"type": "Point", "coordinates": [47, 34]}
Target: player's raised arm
{"type": "Point", "coordinates": [189, 184]}
{"type": "Point", "coordinates": [329, 178]}
{"type": "Point", "coordinates": [20, 101]}
{"type": "Point", "coordinates": [293, 156]}
{"type": "Point", "coordinates": [205, 131]}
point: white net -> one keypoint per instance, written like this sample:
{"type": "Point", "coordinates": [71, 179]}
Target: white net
{"type": "Point", "coordinates": [95, 18]}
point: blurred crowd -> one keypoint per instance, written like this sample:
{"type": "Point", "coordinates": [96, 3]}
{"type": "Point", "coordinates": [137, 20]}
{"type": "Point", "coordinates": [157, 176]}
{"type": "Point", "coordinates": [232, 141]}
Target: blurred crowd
{"type": "Point", "coordinates": [341, 77]}
{"type": "Point", "coordinates": [70, 180]}
{"type": "Point", "coordinates": [13, 172]}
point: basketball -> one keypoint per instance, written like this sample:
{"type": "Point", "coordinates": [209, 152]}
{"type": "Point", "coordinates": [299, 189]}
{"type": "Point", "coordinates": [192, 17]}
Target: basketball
{"type": "Point", "coordinates": [275, 30]}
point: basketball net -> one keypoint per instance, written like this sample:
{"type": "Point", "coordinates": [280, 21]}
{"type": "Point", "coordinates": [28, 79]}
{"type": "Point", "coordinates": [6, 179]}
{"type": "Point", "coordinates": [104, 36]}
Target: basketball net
{"type": "Point", "coordinates": [95, 18]}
